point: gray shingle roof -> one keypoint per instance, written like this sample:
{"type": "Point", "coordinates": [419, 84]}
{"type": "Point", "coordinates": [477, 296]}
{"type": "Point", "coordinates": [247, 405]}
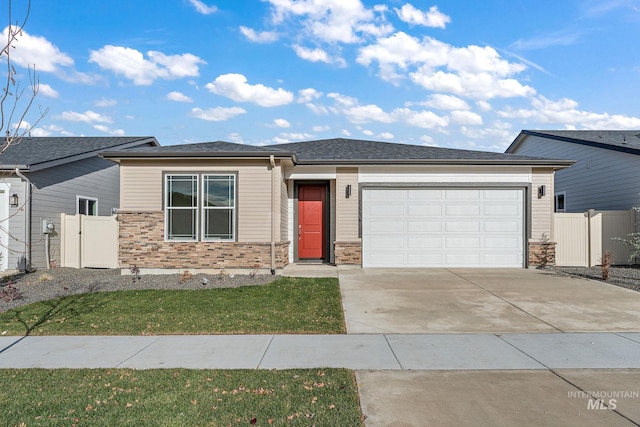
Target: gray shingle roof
{"type": "Point", "coordinates": [34, 151]}
{"type": "Point", "coordinates": [619, 140]}
{"type": "Point", "coordinates": [336, 151]}
{"type": "Point", "coordinates": [340, 150]}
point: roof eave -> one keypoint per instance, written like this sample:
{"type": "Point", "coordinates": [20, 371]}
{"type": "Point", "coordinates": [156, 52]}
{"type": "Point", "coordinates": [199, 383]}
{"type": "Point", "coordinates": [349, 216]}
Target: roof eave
{"type": "Point", "coordinates": [118, 155]}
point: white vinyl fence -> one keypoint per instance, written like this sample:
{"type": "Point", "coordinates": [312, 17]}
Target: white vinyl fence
{"type": "Point", "coordinates": [582, 238]}
{"type": "Point", "coordinates": [89, 241]}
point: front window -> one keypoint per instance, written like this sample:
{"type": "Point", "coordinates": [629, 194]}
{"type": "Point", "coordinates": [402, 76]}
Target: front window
{"type": "Point", "coordinates": [192, 218]}
{"type": "Point", "coordinates": [560, 202]}
{"type": "Point", "coordinates": [87, 206]}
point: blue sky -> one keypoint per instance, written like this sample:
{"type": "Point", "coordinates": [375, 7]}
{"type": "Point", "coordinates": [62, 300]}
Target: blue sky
{"type": "Point", "coordinates": [454, 74]}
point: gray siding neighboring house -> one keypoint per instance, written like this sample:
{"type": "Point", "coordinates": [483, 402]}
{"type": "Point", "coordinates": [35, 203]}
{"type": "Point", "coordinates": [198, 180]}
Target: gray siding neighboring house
{"type": "Point", "coordinates": [606, 175]}
{"type": "Point", "coordinates": [51, 176]}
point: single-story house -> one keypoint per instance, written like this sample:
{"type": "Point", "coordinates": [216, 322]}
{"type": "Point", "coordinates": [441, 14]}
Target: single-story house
{"type": "Point", "coordinates": [221, 206]}
{"type": "Point", "coordinates": [43, 177]}
{"type": "Point", "coordinates": [606, 175]}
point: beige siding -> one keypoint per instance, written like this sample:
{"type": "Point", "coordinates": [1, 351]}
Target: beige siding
{"type": "Point", "coordinates": [141, 190]}
{"type": "Point", "coordinates": [347, 209]}
{"type": "Point", "coordinates": [542, 208]}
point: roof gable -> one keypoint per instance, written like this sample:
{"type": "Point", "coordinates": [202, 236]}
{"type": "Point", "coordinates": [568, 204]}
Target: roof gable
{"type": "Point", "coordinates": [38, 152]}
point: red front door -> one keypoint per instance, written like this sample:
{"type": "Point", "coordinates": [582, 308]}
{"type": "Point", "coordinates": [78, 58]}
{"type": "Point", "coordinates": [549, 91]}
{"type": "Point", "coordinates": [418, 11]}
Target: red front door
{"type": "Point", "coordinates": [311, 221]}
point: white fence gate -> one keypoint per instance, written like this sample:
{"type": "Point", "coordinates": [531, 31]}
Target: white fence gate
{"type": "Point", "coordinates": [582, 238]}
{"type": "Point", "coordinates": [89, 241]}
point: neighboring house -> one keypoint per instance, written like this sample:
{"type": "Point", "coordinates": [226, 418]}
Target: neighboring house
{"type": "Point", "coordinates": [219, 205]}
{"type": "Point", "coordinates": [46, 176]}
{"type": "Point", "coordinates": [606, 175]}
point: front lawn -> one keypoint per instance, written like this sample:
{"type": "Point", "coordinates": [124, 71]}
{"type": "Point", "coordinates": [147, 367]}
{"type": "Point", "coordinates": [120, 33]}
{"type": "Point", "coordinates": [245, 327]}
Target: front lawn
{"type": "Point", "coordinates": [285, 306]}
{"type": "Point", "coordinates": [178, 397]}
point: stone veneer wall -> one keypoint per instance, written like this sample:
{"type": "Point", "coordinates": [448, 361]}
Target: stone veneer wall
{"type": "Point", "coordinates": [142, 244]}
{"type": "Point", "coordinates": [348, 252]}
{"type": "Point", "coordinates": [542, 253]}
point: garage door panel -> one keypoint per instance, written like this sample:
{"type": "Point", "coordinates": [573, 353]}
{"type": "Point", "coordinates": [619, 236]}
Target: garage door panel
{"type": "Point", "coordinates": [502, 227]}
{"type": "Point", "coordinates": [443, 227]}
{"type": "Point", "coordinates": [462, 226]}
{"type": "Point", "coordinates": [462, 194]}
{"type": "Point", "coordinates": [501, 243]}
{"type": "Point", "coordinates": [424, 226]}
{"type": "Point", "coordinates": [421, 211]}
{"type": "Point", "coordinates": [462, 210]}
{"type": "Point", "coordinates": [423, 243]}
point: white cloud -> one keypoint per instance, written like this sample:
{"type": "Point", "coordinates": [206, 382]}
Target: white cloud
{"type": "Point", "coordinates": [428, 141]}
{"type": "Point", "coordinates": [217, 114]}
{"type": "Point", "coordinates": [345, 132]}
{"type": "Point", "coordinates": [320, 128]}
{"type": "Point", "coordinates": [37, 51]}
{"type": "Point", "coordinates": [105, 102]}
{"type": "Point", "coordinates": [367, 114]}
{"type": "Point", "coordinates": [422, 119]}
{"type": "Point", "coordinates": [178, 97]}
{"type": "Point", "coordinates": [446, 102]}
{"type": "Point", "coordinates": [132, 64]}
{"type": "Point", "coordinates": [472, 71]}
{"type": "Point", "coordinates": [47, 91]}
{"type": "Point", "coordinates": [368, 132]}
{"type": "Point", "coordinates": [202, 8]}
{"type": "Point", "coordinates": [259, 37]}
{"type": "Point", "coordinates": [308, 95]}
{"type": "Point", "coordinates": [106, 129]}
{"type": "Point", "coordinates": [433, 18]}
{"type": "Point", "coordinates": [235, 87]}
{"type": "Point", "coordinates": [282, 123]}
{"type": "Point", "coordinates": [313, 55]}
{"type": "Point", "coordinates": [343, 21]}
{"type": "Point", "coordinates": [565, 112]}
{"type": "Point", "coordinates": [463, 117]}
{"type": "Point", "coordinates": [86, 117]}
{"type": "Point", "coordinates": [386, 135]}
{"type": "Point", "coordinates": [484, 105]}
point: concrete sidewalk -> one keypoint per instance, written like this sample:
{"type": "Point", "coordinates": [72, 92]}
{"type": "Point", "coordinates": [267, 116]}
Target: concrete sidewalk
{"type": "Point", "coordinates": [352, 351]}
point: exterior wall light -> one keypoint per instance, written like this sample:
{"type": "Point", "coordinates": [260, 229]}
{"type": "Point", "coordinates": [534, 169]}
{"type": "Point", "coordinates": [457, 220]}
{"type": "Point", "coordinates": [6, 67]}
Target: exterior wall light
{"type": "Point", "coordinates": [14, 201]}
{"type": "Point", "coordinates": [541, 191]}
{"type": "Point", "coordinates": [347, 191]}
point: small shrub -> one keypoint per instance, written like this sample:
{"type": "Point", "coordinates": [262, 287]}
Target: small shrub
{"type": "Point", "coordinates": [607, 259]}
{"type": "Point", "coordinates": [222, 275]}
{"type": "Point", "coordinates": [10, 293]}
{"type": "Point", "coordinates": [254, 270]}
{"type": "Point", "coordinates": [545, 257]}
{"type": "Point", "coordinates": [186, 275]}
{"type": "Point", "coordinates": [44, 277]}
{"type": "Point", "coordinates": [135, 274]}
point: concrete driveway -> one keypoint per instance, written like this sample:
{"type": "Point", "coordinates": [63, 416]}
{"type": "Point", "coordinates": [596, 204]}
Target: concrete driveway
{"type": "Point", "coordinates": [466, 305]}
{"type": "Point", "coordinates": [409, 301]}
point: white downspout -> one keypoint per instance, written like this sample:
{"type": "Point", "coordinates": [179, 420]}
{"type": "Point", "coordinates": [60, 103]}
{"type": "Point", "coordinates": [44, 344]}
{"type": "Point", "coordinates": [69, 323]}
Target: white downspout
{"type": "Point", "coordinates": [272, 161]}
{"type": "Point", "coordinates": [27, 220]}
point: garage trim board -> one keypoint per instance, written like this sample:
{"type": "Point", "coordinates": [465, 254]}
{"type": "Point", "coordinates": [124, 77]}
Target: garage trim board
{"type": "Point", "coordinates": [444, 226]}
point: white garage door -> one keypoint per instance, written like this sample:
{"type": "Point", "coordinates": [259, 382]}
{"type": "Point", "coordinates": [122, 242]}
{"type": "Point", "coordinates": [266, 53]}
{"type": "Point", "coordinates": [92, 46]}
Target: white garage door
{"type": "Point", "coordinates": [442, 227]}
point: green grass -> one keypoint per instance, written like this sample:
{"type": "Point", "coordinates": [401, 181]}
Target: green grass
{"type": "Point", "coordinates": [178, 397]}
{"type": "Point", "coordinates": [285, 306]}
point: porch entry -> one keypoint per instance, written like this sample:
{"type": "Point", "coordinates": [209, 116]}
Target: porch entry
{"type": "Point", "coordinates": [312, 218]}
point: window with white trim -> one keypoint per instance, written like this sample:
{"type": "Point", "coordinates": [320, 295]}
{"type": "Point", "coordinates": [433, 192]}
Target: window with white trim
{"type": "Point", "coordinates": [200, 207]}
{"type": "Point", "coordinates": [560, 202]}
{"type": "Point", "coordinates": [86, 205]}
